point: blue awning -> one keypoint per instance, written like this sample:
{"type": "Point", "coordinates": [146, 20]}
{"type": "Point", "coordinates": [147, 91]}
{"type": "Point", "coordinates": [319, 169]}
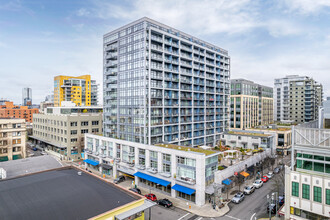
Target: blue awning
{"type": "Point", "coordinates": [91, 162]}
{"type": "Point", "coordinates": [226, 182]}
{"type": "Point", "coordinates": [152, 179]}
{"type": "Point", "coordinates": [183, 189]}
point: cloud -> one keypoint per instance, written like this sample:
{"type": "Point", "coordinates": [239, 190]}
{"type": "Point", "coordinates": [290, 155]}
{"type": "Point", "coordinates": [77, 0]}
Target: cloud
{"type": "Point", "coordinates": [83, 12]}
{"type": "Point", "coordinates": [306, 7]}
{"type": "Point", "coordinates": [280, 28]}
{"type": "Point", "coordinates": [206, 16]}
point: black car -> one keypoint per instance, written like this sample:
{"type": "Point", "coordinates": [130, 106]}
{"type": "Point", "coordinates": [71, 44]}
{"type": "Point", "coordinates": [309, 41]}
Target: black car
{"type": "Point", "coordinates": [119, 179]}
{"type": "Point", "coordinates": [165, 202]}
{"type": "Point", "coordinates": [136, 190]}
{"type": "Point", "coordinates": [272, 207]}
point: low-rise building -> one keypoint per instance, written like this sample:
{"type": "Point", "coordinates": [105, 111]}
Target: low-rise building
{"type": "Point", "coordinates": [248, 139]}
{"type": "Point", "coordinates": [12, 139]}
{"type": "Point", "coordinates": [60, 130]}
{"type": "Point", "coordinates": [14, 111]}
{"type": "Point", "coordinates": [177, 171]}
{"type": "Point", "coordinates": [283, 137]}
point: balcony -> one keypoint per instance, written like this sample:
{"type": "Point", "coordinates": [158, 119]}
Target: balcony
{"type": "Point", "coordinates": [186, 180]}
{"type": "Point", "coordinates": [152, 170]}
{"type": "Point", "coordinates": [141, 167]}
{"type": "Point", "coordinates": [168, 175]}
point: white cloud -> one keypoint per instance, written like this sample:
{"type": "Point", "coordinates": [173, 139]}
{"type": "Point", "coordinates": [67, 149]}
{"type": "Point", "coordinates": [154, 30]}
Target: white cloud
{"type": "Point", "coordinates": [83, 12]}
{"type": "Point", "coordinates": [306, 6]}
{"type": "Point", "coordinates": [207, 16]}
{"type": "Point", "coordinates": [280, 28]}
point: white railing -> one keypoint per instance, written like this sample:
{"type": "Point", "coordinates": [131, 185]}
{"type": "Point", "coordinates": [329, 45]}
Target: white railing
{"type": "Point", "coordinates": [310, 136]}
{"type": "Point", "coordinates": [229, 171]}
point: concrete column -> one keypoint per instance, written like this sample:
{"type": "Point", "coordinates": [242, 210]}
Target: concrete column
{"type": "Point", "coordinates": [200, 180]}
{"type": "Point", "coordinates": [160, 161]}
{"type": "Point", "coordinates": [173, 172]}
{"type": "Point", "coordinates": [287, 192]}
{"type": "Point", "coordinates": [147, 158]}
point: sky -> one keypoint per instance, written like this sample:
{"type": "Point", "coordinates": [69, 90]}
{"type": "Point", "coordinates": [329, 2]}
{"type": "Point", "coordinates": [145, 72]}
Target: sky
{"type": "Point", "coordinates": [266, 39]}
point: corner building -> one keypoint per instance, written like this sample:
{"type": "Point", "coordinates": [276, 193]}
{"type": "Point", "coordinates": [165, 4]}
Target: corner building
{"type": "Point", "coordinates": [164, 86]}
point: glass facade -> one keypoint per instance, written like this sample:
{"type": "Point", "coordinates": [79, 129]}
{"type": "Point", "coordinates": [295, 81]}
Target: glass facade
{"type": "Point", "coordinates": [162, 86]}
{"type": "Point", "coordinates": [313, 162]}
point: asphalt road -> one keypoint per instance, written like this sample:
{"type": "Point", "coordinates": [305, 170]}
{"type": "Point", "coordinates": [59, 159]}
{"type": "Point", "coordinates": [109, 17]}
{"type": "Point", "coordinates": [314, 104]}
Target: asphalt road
{"type": "Point", "coordinates": [30, 152]}
{"type": "Point", "coordinates": [253, 207]}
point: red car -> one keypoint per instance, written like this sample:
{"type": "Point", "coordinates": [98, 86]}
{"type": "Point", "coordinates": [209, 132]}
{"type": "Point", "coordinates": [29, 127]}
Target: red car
{"type": "Point", "coordinates": [264, 179]}
{"type": "Point", "coordinates": [151, 197]}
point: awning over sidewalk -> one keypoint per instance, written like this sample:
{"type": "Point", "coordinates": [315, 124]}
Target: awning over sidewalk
{"type": "Point", "coordinates": [226, 182]}
{"type": "Point", "coordinates": [152, 179]}
{"type": "Point", "coordinates": [91, 162]}
{"type": "Point", "coordinates": [183, 189]}
{"type": "Point", "coordinates": [245, 174]}
{"type": "Point", "coordinates": [129, 213]}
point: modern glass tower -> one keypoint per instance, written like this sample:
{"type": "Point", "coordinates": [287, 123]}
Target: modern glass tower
{"type": "Point", "coordinates": [164, 86]}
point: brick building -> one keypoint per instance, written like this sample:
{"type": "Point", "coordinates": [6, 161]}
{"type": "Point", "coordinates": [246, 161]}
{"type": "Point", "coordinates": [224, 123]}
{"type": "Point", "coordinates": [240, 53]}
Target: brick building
{"type": "Point", "coordinates": [10, 110]}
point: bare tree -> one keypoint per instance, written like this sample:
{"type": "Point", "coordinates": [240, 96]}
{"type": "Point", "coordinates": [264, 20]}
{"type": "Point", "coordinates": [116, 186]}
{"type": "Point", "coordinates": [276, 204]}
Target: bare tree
{"type": "Point", "coordinates": [278, 183]}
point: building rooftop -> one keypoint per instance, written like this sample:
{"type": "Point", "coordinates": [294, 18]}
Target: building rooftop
{"type": "Point", "coordinates": [273, 129]}
{"type": "Point", "coordinates": [20, 167]}
{"type": "Point", "coordinates": [191, 149]}
{"type": "Point", "coordinates": [59, 194]}
{"type": "Point", "coordinates": [247, 133]}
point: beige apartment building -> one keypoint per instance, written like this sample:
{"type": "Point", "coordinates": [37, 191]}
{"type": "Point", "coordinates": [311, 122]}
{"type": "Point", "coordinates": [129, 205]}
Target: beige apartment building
{"type": "Point", "coordinates": [60, 130]}
{"type": "Point", "coordinates": [251, 104]}
{"type": "Point", "coordinates": [12, 139]}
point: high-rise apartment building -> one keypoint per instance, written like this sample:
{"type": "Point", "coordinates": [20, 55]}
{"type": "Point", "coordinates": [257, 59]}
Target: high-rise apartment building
{"type": "Point", "coordinates": [251, 104]}
{"type": "Point", "coordinates": [80, 90]}
{"type": "Point", "coordinates": [27, 96]}
{"type": "Point", "coordinates": [164, 86]}
{"type": "Point", "coordinates": [297, 99]}
{"type": "Point", "coordinates": [12, 139]}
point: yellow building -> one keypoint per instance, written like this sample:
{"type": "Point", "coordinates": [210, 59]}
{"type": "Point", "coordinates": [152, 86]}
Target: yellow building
{"type": "Point", "coordinates": [251, 104]}
{"type": "Point", "coordinates": [80, 90]}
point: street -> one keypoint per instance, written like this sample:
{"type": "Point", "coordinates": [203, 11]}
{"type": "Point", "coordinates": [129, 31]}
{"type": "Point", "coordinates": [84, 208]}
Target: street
{"type": "Point", "coordinates": [253, 207]}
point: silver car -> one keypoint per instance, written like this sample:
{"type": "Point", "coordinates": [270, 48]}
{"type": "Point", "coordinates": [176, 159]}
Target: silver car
{"type": "Point", "coordinates": [258, 183]}
{"type": "Point", "coordinates": [239, 197]}
{"type": "Point", "coordinates": [249, 190]}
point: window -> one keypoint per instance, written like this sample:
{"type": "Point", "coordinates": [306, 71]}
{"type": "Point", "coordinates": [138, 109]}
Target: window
{"type": "Point", "coordinates": [95, 130]}
{"type": "Point", "coordinates": [83, 131]}
{"type": "Point", "coordinates": [84, 123]}
{"type": "Point", "coordinates": [317, 194]}
{"type": "Point", "coordinates": [73, 131]}
{"type": "Point", "coordinates": [305, 191]}
{"type": "Point", "coordinates": [73, 124]}
{"type": "Point", "coordinates": [295, 189]}
{"type": "Point", "coordinates": [95, 122]}
{"type": "Point", "coordinates": [327, 196]}
{"type": "Point", "coordinates": [73, 140]}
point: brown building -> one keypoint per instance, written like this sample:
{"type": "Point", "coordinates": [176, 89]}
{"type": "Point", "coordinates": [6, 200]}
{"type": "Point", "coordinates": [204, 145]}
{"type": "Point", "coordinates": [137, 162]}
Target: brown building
{"type": "Point", "coordinates": [9, 110]}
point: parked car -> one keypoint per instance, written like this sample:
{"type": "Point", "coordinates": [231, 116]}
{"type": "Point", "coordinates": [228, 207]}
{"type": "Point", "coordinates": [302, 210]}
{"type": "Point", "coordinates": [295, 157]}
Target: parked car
{"type": "Point", "coordinates": [165, 202]}
{"type": "Point", "coordinates": [249, 189]}
{"type": "Point", "coordinates": [239, 197]}
{"type": "Point", "coordinates": [281, 200]}
{"type": "Point", "coordinates": [151, 197]}
{"type": "Point", "coordinates": [43, 153]}
{"type": "Point", "coordinates": [258, 183]}
{"type": "Point", "coordinates": [264, 179]}
{"type": "Point", "coordinates": [270, 175]}
{"type": "Point", "coordinates": [281, 166]}
{"type": "Point", "coordinates": [119, 179]}
{"type": "Point", "coordinates": [34, 149]}
{"type": "Point", "coordinates": [272, 208]}
{"type": "Point", "coordinates": [277, 170]}
{"type": "Point", "coordinates": [136, 190]}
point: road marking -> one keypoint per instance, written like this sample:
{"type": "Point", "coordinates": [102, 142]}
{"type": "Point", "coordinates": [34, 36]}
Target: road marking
{"type": "Point", "coordinates": [183, 216]}
{"type": "Point", "coordinates": [232, 217]}
{"type": "Point", "coordinates": [200, 218]}
{"type": "Point", "coordinates": [252, 216]}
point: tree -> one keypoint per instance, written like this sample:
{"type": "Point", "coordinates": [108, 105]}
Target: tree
{"type": "Point", "coordinates": [279, 182]}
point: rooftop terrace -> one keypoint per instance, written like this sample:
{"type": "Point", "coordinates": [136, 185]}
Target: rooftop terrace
{"type": "Point", "coordinates": [248, 134]}
{"type": "Point", "coordinates": [191, 149]}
